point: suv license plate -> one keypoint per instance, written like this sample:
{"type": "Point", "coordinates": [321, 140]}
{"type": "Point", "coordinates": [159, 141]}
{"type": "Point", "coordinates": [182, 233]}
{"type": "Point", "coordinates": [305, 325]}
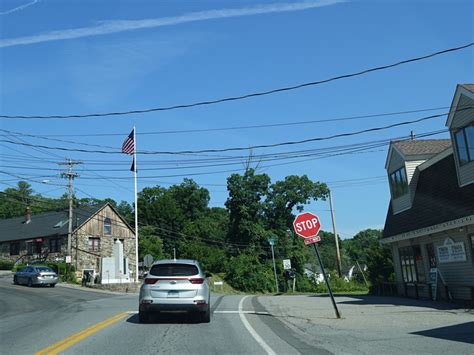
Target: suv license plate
{"type": "Point", "coordinates": [173, 294]}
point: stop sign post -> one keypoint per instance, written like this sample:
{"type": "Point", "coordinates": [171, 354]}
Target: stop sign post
{"type": "Point", "coordinates": [307, 225]}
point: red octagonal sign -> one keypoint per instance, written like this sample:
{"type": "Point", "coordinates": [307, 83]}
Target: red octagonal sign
{"type": "Point", "coordinates": [306, 225]}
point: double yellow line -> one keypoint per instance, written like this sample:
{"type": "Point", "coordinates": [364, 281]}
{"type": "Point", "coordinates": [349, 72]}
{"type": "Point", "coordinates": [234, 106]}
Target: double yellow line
{"type": "Point", "coordinates": [65, 343]}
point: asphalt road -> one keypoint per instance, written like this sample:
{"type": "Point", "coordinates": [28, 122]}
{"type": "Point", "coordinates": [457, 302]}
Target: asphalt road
{"type": "Point", "coordinates": [74, 321]}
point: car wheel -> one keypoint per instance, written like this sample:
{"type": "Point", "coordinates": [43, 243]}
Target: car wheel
{"type": "Point", "coordinates": [29, 283]}
{"type": "Point", "coordinates": [52, 285]}
{"type": "Point", "coordinates": [15, 280]}
{"type": "Point", "coordinates": [206, 316]}
{"type": "Point", "coordinates": [143, 317]}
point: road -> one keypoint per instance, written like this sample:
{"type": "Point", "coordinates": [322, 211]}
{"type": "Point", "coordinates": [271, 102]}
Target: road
{"type": "Point", "coordinates": [75, 321]}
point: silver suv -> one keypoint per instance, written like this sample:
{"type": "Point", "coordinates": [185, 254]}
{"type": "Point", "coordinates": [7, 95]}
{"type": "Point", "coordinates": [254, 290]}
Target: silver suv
{"type": "Point", "coordinates": [175, 285]}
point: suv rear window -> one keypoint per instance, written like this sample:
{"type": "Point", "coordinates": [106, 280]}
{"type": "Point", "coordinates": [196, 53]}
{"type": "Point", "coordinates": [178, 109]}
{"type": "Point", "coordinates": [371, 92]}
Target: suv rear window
{"type": "Point", "coordinates": [174, 270]}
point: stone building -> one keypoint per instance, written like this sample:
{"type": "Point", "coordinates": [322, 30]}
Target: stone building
{"type": "Point", "coordinates": [43, 237]}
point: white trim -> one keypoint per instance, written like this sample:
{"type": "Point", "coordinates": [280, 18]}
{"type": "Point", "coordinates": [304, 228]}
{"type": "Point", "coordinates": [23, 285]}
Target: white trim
{"type": "Point", "coordinates": [460, 222]}
{"type": "Point", "coordinates": [460, 90]}
{"type": "Point", "coordinates": [390, 152]}
{"type": "Point", "coordinates": [252, 331]}
{"type": "Point", "coordinates": [440, 156]}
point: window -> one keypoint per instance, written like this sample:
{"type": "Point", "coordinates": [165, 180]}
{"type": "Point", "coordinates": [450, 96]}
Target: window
{"type": "Point", "coordinates": [94, 244]}
{"type": "Point", "coordinates": [465, 144]}
{"type": "Point", "coordinates": [54, 245]}
{"type": "Point", "coordinates": [411, 262]}
{"type": "Point", "coordinates": [107, 226]}
{"type": "Point", "coordinates": [14, 248]}
{"type": "Point", "coordinates": [33, 248]}
{"type": "Point", "coordinates": [174, 270]}
{"type": "Point", "coordinates": [398, 182]}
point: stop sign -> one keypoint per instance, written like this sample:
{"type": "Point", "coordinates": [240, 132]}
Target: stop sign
{"type": "Point", "coordinates": [306, 225]}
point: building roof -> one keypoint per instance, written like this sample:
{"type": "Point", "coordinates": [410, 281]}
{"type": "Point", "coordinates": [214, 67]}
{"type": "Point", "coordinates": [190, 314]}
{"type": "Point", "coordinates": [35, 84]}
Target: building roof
{"type": "Point", "coordinates": [438, 199]}
{"type": "Point", "coordinates": [469, 87]}
{"type": "Point", "coordinates": [422, 146]}
{"type": "Point", "coordinates": [47, 224]}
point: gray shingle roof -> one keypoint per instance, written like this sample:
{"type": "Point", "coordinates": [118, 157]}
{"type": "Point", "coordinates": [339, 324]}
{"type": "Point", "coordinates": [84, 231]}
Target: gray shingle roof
{"type": "Point", "coordinates": [42, 224]}
{"type": "Point", "coordinates": [422, 146]}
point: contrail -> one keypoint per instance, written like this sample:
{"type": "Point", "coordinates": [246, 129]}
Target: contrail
{"type": "Point", "coordinates": [116, 26]}
{"type": "Point", "coordinates": [19, 8]}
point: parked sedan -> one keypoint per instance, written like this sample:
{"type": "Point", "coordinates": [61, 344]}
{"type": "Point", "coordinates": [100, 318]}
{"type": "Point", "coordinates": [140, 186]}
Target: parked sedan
{"type": "Point", "coordinates": [36, 275]}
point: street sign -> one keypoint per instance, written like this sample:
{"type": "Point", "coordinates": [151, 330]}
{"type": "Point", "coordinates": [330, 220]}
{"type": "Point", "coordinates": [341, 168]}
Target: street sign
{"type": "Point", "coordinates": [218, 283]}
{"type": "Point", "coordinates": [272, 241]}
{"type": "Point", "coordinates": [287, 264]}
{"type": "Point", "coordinates": [148, 260]}
{"type": "Point", "coordinates": [307, 225]}
{"type": "Point", "coordinates": [312, 240]}
{"type": "Point", "coordinates": [68, 259]}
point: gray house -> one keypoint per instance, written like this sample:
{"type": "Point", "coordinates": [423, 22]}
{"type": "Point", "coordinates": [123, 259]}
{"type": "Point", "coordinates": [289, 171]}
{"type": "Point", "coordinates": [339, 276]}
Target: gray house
{"type": "Point", "coordinates": [43, 237]}
{"type": "Point", "coordinates": [430, 220]}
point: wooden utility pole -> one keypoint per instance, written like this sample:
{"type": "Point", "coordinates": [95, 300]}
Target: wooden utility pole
{"type": "Point", "coordinates": [338, 254]}
{"type": "Point", "coordinates": [70, 176]}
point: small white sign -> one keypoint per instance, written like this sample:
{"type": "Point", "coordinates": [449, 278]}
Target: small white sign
{"type": "Point", "coordinates": [218, 283]}
{"type": "Point", "coordinates": [68, 259]}
{"type": "Point", "coordinates": [287, 264]}
{"type": "Point", "coordinates": [451, 251]}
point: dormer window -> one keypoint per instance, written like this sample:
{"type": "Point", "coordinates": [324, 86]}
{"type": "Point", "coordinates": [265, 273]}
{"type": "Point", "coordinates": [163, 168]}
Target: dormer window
{"type": "Point", "coordinates": [465, 144]}
{"type": "Point", "coordinates": [398, 183]}
{"type": "Point", "coordinates": [107, 226]}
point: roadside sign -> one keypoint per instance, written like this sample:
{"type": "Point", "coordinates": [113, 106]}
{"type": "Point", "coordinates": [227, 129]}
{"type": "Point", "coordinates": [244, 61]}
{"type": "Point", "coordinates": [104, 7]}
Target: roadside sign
{"type": "Point", "coordinates": [307, 225]}
{"type": "Point", "coordinates": [148, 260]}
{"type": "Point", "coordinates": [68, 259]}
{"type": "Point", "coordinates": [312, 240]}
{"type": "Point", "coordinates": [218, 283]}
{"type": "Point", "coordinates": [287, 264]}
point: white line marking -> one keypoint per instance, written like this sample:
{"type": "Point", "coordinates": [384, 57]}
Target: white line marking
{"type": "Point", "coordinates": [132, 312]}
{"type": "Point", "coordinates": [245, 312]}
{"type": "Point", "coordinates": [252, 331]}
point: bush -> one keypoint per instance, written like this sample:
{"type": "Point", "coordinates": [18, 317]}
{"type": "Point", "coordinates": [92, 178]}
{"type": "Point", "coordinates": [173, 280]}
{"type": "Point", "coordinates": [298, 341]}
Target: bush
{"type": "Point", "coordinates": [340, 285]}
{"type": "Point", "coordinates": [247, 273]}
{"type": "Point", "coordinates": [6, 264]}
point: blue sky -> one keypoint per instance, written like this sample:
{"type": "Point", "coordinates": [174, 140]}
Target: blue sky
{"type": "Point", "coordinates": [80, 57]}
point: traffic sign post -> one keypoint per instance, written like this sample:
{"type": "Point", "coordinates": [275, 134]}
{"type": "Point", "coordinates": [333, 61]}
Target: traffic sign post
{"type": "Point", "coordinates": [307, 225]}
{"type": "Point", "coordinates": [272, 241]}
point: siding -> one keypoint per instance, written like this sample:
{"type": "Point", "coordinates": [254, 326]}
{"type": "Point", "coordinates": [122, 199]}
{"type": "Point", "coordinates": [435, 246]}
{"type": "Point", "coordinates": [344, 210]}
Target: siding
{"type": "Point", "coordinates": [396, 162]}
{"type": "Point", "coordinates": [462, 119]}
{"type": "Point", "coordinates": [453, 273]}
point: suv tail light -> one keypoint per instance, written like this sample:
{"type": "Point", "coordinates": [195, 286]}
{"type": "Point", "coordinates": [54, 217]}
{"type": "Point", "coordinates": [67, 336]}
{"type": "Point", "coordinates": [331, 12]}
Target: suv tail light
{"type": "Point", "coordinates": [196, 281]}
{"type": "Point", "coordinates": [150, 281]}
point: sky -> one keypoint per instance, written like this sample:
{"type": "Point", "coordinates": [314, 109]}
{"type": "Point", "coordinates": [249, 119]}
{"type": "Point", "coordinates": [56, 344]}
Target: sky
{"type": "Point", "coordinates": [81, 57]}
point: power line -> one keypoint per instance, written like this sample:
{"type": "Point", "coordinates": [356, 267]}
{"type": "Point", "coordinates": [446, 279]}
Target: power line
{"type": "Point", "coordinates": [249, 95]}
{"type": "Point", "coordinates": [273, 145]}
{"type": "Point", "coordinates": [281, 124]}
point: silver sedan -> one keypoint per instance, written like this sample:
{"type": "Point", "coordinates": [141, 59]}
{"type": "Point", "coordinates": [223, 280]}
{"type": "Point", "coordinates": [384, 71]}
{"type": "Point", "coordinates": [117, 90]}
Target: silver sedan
{"type": "Point", "coordinates": [36, 275]}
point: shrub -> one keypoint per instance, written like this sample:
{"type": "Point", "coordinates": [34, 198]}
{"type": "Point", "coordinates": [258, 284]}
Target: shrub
{"type": "Point", "coordinates": [247, 273]}
{"type": "Point", "coordinates": [6, 264]}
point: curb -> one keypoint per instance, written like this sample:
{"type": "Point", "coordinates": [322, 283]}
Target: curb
{"type": "Point", "coordinates": [89, 289]}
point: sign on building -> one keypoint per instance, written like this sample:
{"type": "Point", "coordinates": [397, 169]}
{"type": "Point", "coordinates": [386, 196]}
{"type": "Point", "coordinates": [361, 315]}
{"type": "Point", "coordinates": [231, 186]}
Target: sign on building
{"type": "Point", "coordinates": [451, 251]}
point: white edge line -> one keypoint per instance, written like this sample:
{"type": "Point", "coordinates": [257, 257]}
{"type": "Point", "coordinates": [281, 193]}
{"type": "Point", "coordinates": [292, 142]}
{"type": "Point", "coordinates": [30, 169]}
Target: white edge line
{"type": "Point", "coordinates": [252, 331]}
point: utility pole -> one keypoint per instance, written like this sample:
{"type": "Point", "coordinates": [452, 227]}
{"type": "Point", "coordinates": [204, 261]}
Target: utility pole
{"type": "Point", "coordinates": [70, 175]}
{"type": "Point", "coordinates": [338, 254]}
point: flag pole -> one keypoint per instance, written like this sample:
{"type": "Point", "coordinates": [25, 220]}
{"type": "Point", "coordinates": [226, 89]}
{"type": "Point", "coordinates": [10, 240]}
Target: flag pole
{"type": "Point", "coordinates": [136, 201]}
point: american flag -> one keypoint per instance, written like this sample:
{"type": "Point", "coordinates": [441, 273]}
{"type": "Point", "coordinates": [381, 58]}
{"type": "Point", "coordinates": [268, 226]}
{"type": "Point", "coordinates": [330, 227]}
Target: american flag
{"type": "Point", "coordinates": [128, 146]}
